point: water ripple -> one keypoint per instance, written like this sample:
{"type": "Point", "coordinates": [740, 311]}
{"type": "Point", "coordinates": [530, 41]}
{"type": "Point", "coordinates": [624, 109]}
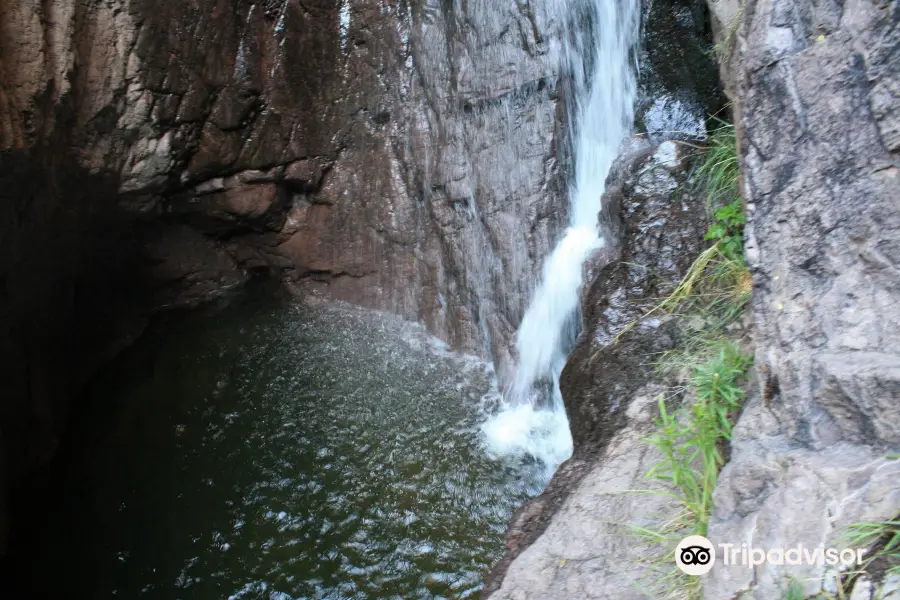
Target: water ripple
{"type": "Point", "coordinates": [289, 452]}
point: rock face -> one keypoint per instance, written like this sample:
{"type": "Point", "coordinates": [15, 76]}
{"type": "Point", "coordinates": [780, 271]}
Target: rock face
{"type": "Point", "coordinates": [401, 156]}
{"type": "Point", "coordinates": [573, 541]}
{"type": "Point", "coordinates": [820, 122]}
{"type": "Point", "coordinates": [368, 148]}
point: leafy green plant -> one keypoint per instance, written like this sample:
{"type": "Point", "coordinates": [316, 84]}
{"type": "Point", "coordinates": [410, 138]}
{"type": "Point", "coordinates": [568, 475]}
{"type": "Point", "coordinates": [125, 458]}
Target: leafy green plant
{"type": "Point", "coordinates": [728, 229]}
{"type": "Point", "coordinates": [691, 439]}
{"type": "Point", "coordinates": [719, 176]}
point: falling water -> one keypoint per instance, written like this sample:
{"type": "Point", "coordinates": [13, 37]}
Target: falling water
{"type": "Point", "coordinates": [599, 52]}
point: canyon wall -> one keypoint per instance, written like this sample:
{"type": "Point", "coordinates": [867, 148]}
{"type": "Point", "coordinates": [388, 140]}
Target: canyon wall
{"type": "Point", "coordinates": [399, 155]}
{"type": "Point", "coordinates": [819, 115]}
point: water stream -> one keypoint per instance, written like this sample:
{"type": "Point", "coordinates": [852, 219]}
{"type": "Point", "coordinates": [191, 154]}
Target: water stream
{"type": "Point", "coordinates": [600, 52]}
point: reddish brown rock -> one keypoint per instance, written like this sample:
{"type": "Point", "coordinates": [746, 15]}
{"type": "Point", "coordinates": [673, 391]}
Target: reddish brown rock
{"type": "Point", "coordinates": [245, 202]}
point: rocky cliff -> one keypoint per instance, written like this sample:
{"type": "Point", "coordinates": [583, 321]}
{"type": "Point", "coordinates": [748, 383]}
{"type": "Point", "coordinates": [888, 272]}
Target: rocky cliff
{"type": "Point", "coordinates": [817, 87]}
{"type": "Point", "coordinates": [399, 155]}
{"type": "Point", "coordinates": [816, 107]}
{"type": "Point", "coordinates": [366, 149]}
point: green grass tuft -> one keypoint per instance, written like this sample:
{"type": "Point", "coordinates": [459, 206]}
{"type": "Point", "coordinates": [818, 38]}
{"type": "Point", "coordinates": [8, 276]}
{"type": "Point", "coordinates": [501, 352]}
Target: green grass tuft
{"type": "Point", "coordinates": [691, 440]}
{"type": "Point", "coordinates": [716, 287]}
{"type": "Point", "coordinates": [881, 537]}
{"type": "Point", "coordinates": [719, 172]}
{"type": "Point", "coordinates": [719, 177]}
{"type": "Point", "coordinates": [794, 591]}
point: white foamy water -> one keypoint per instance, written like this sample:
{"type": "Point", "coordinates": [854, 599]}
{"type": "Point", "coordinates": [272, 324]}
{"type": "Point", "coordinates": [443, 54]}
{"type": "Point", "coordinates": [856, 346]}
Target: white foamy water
{"type": "Point", "coordinates": [599, 53]}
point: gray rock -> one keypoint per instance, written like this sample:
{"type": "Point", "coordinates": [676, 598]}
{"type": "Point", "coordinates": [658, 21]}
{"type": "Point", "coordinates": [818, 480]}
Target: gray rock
{"type": "Point", "coordinates": [862, 590]}
{"type": "Point", "coordinates": [821, 181]}
{"type": "Point", "coordinates": [890, 588]}
{"type": "Point", "coordinates": [655, 179]}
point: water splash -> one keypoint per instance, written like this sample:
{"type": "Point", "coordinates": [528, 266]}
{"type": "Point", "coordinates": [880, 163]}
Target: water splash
{"type": "Point", "coordinates": [344, 22]}
{"type": "Point", "coordinates": [599, 52]}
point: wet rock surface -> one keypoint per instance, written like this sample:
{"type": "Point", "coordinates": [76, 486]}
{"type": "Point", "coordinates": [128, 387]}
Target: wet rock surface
{"type": "Point", "coordinates": [398, 138]}
{"type": "Point", "coordinates": [819, 119]}
{"type": "Point", "coordinates": [401, 156]}
{"type": "Point", "coordinates": [587, 550]}
{"type": "Point", "coordinates": [678, 88]}
{"type": "Point", "coordinates": [570, 542]}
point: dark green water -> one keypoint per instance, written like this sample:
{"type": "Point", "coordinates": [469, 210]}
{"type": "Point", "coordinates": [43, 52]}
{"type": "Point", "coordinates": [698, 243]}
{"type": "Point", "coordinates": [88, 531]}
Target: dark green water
{"type": "Point", "coordinates": [282, 452]}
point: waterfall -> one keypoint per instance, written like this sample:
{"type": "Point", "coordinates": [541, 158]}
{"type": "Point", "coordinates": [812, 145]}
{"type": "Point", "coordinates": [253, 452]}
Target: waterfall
{"type": "Point", "coordinates": [599, 56]}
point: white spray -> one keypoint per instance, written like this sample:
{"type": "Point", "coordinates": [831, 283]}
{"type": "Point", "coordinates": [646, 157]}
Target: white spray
{"type": "Point", "coordinates": [599, 51]}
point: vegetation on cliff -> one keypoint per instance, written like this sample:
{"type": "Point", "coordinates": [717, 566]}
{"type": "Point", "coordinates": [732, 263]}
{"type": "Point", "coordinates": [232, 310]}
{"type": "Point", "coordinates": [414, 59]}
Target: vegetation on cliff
{"type": "Point", "coordinates": [696, 416]}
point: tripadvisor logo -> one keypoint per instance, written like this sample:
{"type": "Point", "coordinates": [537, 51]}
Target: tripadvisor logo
{"type": "Point", "coordinates": [695, 555]}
